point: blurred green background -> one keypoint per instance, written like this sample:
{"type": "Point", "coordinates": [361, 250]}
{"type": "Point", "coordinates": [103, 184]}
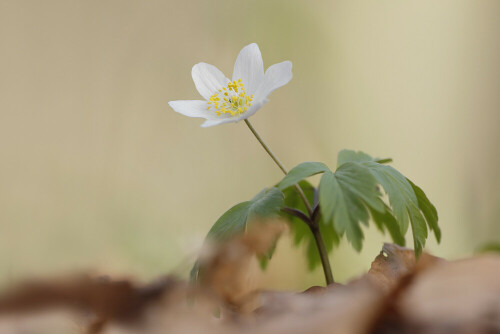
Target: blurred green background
{"type": "Point", "coordinates": [98, 172]}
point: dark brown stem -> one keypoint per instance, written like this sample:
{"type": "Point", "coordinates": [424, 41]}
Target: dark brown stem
{"type": "Point", "coordinates": [297, 213]}
{"type": "Point", "coordinates": [323, 254]}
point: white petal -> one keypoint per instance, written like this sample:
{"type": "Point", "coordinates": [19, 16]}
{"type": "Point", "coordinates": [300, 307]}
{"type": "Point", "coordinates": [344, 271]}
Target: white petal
{"type": "Point", "coordinates": [276, 76]}
{"type": "Point", "coordinates": [208, 79]}
{"type": "Point", "coordinates": [256, 105]}
{"type": "Point", "coordinates": [192, 108]}
{"type": "Point", "coordinates": [249, 68]}
{"type": "Point", "coordinates": [213, 122]}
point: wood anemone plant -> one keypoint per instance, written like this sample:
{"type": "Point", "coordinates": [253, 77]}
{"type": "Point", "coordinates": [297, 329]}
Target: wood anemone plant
{"type": "Point", "coordinates": [346, 198]}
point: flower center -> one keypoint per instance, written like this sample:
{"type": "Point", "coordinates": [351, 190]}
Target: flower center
{"type": "Point", "coordinates": [231, 99]}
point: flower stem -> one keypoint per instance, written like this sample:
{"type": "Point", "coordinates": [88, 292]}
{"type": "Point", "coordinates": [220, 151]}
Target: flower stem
{"type": "Point", "coordinates": [310, 222]}
{"type": "Point", "coordinates": [268, 150]}
{"type": "Point", "coordinates": [280, 165]}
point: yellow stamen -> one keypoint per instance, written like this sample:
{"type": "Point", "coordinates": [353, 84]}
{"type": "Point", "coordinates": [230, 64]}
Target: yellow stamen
{"type": "Point", "coordinates": [233, 104]}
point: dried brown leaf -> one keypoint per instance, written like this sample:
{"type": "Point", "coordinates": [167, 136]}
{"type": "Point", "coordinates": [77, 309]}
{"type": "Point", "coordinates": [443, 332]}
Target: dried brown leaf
{"type": "Point", "coordinates": [461, 297]}
{"type": "Point", "coordinates": [103, 299]}
{"type": "Point", "coordinates": [395, 262]}
{"type": "Point", "coordinates": [225, 270]}
{"type": "Point", "coordinates": [397, 295]}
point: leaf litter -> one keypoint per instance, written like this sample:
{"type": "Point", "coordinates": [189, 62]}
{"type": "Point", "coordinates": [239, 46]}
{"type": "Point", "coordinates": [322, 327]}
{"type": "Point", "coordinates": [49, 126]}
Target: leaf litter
{"type": "Point", "coordinates": [397, 295]}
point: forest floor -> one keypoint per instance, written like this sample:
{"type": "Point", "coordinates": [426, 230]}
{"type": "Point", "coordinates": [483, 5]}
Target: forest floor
{"type": "Point", "coordinates": [397, 295]}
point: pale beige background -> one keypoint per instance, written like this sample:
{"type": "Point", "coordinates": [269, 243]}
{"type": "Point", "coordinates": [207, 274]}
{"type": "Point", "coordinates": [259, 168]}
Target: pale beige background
{"type": "Point", "coordinates": [97, 171]}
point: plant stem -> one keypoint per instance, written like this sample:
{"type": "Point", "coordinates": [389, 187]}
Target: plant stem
{"type": "Point", "coordinates": [312, 223]}
{"type": "Point", "coordinates": [264, 145]}
{"type": "Point", "coordinates": [280, 165]}
{"type": "Point", "coordinates": [323, 254]}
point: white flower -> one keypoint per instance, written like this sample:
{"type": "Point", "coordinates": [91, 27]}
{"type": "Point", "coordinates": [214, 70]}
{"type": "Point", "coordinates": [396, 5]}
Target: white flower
{"type": "Point", "coordinates": [229, 101]}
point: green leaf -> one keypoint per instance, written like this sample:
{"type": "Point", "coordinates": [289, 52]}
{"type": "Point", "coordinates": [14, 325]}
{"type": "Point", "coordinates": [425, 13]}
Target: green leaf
{"type": "Point", "coordinates": [429, 211]}
{"type": "Point", "coordinates": [361, 183]}
{"type": "Point", "coordinates": [331, 200]}
{"type": "Point", "coordinates": [418, 228]}
{"type": "Point", "coordinates": [301, 233]}
{"type": "Point", "coordinates": [401, 195]}
{"type": "Point", "coordinates": [383, 161]}
{"type": "Point", "coordinates": [408, 201]}
{"type": "Point", "coordinates": [352, 156]}
{"type": "Point", "coordinates": [395, 184]}
{"type": "Point", "coordinates": [193, 274]}
{"type": "Point", "coordinates": [387, 220]}
{"type": "Point", "coordinates": [300, 172]}
{"type": "Point", "coordinates": [264, 259]}
{"type": "Point", "coordinates": [234, 221]}
{"type": "Point", "coordinates": [344, 197]}
{"type": "Point", "coordinates": [406, 205]}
